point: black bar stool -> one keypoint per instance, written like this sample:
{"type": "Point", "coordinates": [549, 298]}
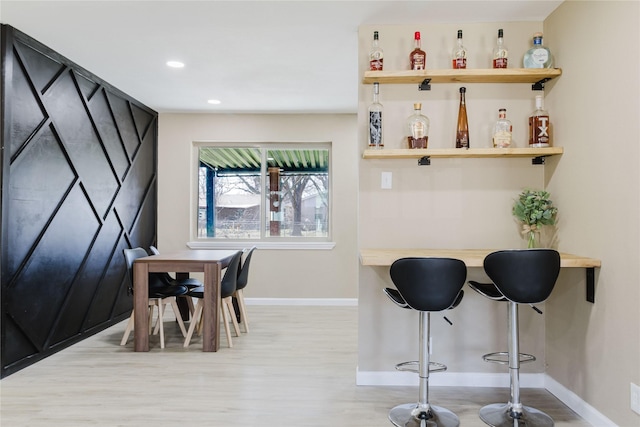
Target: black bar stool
{"type": "Point", "coordinates": [524, 276]}
{"type": "Point", "coordinates": [426, 285]}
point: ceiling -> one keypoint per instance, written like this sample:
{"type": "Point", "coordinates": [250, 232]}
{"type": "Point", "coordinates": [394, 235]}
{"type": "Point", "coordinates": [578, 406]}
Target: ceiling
{"type": "Point", "coordinates": [253, 56]}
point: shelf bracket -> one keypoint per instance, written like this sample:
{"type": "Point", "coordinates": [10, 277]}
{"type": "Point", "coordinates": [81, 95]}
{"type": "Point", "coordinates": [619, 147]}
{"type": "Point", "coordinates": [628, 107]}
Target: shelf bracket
{"type": "Point", "coordinates": [424, 161]}
{"type": "Point", "coordinates": [591, 285]}
{"type": "Point", "coordinates": [425, 85]}
{"type": "Point", "coordinates": [539, 160]}
{"type": "Point", "coordinates": [539, 85]}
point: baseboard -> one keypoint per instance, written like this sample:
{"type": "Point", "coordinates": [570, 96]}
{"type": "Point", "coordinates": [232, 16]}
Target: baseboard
{"type": "Point", "coordinates": [447, 379]}
{"type": "Point", "coordinates": [342, 302]}
{"type": "Point", "coordinates": [577, 405]}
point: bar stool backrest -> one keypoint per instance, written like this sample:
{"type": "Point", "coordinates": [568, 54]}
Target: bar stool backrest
{"type": "Point", "coordinates": [429, 284]}
{"type": "Point", "coordinates": [524, 276]}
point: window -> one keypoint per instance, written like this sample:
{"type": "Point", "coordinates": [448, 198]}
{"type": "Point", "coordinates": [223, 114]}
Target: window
{"type": "Point", "coordinates": [264, 192]}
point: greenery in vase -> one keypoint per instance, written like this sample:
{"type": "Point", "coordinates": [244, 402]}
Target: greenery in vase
{"type": "Point", "coordinates": [534, 209]}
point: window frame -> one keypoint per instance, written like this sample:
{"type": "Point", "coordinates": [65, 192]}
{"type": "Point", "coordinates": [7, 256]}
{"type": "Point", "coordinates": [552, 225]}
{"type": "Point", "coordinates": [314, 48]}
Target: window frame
{"type": "Point", "coordinates": [265, 241]}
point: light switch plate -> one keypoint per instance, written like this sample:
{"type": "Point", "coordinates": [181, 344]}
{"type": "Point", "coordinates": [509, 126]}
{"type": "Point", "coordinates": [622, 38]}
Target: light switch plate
{"type": "Point", "coordinates": [386, 180]}
{"type": "Point", "coordinates": [635, 398]}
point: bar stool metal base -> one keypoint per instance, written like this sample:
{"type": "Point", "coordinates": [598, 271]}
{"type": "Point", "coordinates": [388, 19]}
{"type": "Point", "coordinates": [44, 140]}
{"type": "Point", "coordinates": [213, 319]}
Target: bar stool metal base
{"type": "Point", "coordinates": [409, 415]}
{"type": "Point", "coordinates": [501, 415]}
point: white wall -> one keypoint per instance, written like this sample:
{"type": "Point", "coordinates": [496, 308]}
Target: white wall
{"type": "Point", "coordinates": [274, 273]}
{"type": "Point", "coordinates": [594, 349]}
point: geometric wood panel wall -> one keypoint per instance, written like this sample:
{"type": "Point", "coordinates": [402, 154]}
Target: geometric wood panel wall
{"type": "Point", "coordinates": [79, 184]}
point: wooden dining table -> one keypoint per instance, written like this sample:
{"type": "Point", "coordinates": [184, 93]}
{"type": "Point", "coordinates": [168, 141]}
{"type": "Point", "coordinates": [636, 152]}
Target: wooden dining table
{"type": "Point", "coordinates": [209, 262]}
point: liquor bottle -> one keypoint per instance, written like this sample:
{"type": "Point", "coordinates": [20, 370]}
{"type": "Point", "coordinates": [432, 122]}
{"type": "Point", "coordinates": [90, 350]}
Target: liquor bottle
{"type": "Point", "coordinates": [418, 127]}
{"type": "Point", "coordinates": [417, 57]}
{"type": "Point", "coordinates": [500, 52]}
{"type": "Point", "coordinates": [459, 56]}
{"type": "Point", "coordinates": [462, 131]}
{"type": "Point", "coordinates": [375, 120]}
{"type": "Point", "coordinates": [539, 126]}
{"type": "Point", "coordinates": [502, 130]}
{"type": "Point", "coordinates": [376, 54]}
{"type": "Point", "coordinates": [538, 56]}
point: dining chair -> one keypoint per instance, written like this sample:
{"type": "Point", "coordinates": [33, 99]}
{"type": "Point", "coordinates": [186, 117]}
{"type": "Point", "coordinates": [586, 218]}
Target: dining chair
{"type": "Point", "coordinates": [241, 283]}
{"type": "Point", "coordinates": [227, 289]}
{"type": "Point", "coordinates": [161, 294]}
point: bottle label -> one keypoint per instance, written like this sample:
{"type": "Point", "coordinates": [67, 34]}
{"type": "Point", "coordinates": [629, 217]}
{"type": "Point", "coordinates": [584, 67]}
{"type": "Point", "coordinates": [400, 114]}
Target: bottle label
{"type": "Point", "coordinates": [459, 63]}
{"type": "Point", "coordinates": [375, 129]}
{"type": "Point", "coordinates": [375, 65]}
{"type": "Point", "coordinates": [540, 56]}
{"type": "Point", "coordinates": [418, 61]}
{"type": "Point", "coordinates": [502, 139]}
{"type": "Point", "coordinates": [500, 63]}
{"type": "Point", "coordinates": [539, 131]}
{"type": "Point", "coordinates": [417, 129]}
{"type": "Point", "coordinates": [462, 139]}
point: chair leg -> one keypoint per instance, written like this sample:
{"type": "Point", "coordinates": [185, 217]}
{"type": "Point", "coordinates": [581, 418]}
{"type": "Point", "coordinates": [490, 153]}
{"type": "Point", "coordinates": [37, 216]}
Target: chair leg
{"type": "Point", "coordinates": [128, 330]}
{"type": "Point", "coordinates": [225, 319]}
{"type": "Point", "coordinates": [176, 311]}
{"type": "Point", "coordinates": [195, 319]}
{"type": "Point", "coordinates": [160, 322]}
{"type": "Point", "coordinates": [423, 413]}
{"type": "Point", "coordinates": [514, 413]}
{"type": "Point", "coordinates": [243, 310]}
{"type": "Point", "coordinates": [232, 313]}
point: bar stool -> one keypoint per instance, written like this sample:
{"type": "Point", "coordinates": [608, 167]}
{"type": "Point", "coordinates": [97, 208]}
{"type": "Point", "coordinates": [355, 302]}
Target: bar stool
{"type": "Point", "coordinates": [525, 276]}
{"type": "Point", "coordinates": [426, 285]}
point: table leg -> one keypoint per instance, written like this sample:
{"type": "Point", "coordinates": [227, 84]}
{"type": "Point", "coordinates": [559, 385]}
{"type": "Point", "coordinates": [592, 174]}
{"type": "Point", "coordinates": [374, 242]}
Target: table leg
{"type": "Point", "coordinates": [182, 302]}
{"type": "Point", "coordinates": [140, 306]}
{"type": "Point", "coordinates": [211, 303]}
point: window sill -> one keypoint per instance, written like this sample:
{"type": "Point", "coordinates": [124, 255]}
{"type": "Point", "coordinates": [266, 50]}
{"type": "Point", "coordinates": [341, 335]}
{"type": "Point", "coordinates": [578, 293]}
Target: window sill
{"type": "Point", "coordinates": [231, 244]}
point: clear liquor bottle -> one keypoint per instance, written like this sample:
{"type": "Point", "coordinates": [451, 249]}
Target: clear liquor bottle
{"type": "Point", "coordinates": [539, 125]}
{"type": "Point", "coordinates": [376, 55]}
{"type": "Point", "coordinates": [502, 130]}
{"type": "Point", "coordinates": [417, 57]}
{"type": "Point", "coordinates": [538, 56]}
{"type": "Point", "coordinates": [418, 128]}
{"type": "Point", "coordinates": [459, 55]}
{"type": "Point", "coordinates": [462, 130]}
{"type": "Point", "coordinates": [375, 120]}
{"type": "Point", "coordinates": [500, 52]}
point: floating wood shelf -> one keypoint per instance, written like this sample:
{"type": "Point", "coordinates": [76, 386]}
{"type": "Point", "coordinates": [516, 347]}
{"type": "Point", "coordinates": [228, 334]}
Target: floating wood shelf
{"type": "Point", "coordinates": [480, 75]}
{"type": "Point", "coordinates": [418, 153]}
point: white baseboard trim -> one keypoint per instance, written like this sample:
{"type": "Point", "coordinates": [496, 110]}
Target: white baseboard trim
{"type": "Point", "coordinates": [447, 379]}
{"type": "Point", "coordinates": [342, 302]}
{"type": "Point", "coordinates": [577, 405]}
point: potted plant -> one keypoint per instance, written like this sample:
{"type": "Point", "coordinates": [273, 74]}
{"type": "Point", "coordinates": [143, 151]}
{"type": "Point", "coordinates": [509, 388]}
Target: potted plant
{"type": "Point", "coordinates": [534, 209]}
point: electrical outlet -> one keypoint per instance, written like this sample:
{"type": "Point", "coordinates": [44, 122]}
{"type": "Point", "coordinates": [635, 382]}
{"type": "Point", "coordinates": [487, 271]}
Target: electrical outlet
{"type": "Point", "coordinates": [635, 398]}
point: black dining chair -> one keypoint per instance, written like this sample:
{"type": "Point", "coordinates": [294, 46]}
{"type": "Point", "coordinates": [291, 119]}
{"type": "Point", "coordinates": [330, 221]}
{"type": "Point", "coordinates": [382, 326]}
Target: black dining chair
{"type": "Point", "coordinates": [241, 283]}
{"type": "Point", "coordinates": [426, 285]}
{"type": "Point", "coordinates": [161, 293]}
{"type": "Point", "coordinates": [227, 289]}
{"type": "Point", "coordinates": [521, 276]}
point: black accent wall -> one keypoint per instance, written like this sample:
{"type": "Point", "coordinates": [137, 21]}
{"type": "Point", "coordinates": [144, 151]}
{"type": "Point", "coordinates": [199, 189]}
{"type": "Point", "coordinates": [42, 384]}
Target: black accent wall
{"type": "Point", "coordinates": [79, 184]}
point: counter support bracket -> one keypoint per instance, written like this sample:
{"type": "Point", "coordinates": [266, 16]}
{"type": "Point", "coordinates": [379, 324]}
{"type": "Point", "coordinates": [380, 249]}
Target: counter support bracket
{"type": "Point", "coordinates": [591, 286]}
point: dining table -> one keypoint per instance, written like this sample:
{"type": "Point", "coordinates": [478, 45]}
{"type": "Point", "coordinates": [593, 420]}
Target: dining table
{"type": "Point", "coordinates": [209, 262]}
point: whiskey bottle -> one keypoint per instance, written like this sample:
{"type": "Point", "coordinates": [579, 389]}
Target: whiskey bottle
{"type": "Point", "coordinates": [418, 127]}
{"type": "Point", "coordinates": [539, 126]}
{"type": "Point", "coordinates": [502, 130]}
{"type": "Point", "coordinates": [459, 56]}
{"type": "Point", "coordinates": [500, 52]}
{"type": "Point", "coordinates": [376, 54]}
{"type": "Point", "coordinates": [417, 57]}
{"type": "Point", "coordinates": [462, 131]}
{"type": "Point", "coordinates": [538, 56]}
{"type": "Point", "coordinates": [375, 120]}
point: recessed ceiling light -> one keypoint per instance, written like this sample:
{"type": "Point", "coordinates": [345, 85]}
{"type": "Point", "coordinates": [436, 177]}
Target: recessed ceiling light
{"type": "Point", "coordinates": [213, 101]}
{"type": "Point", "coordinates": [175, 64]}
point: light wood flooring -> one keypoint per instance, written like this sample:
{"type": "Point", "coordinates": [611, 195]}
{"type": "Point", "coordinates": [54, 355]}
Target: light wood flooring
{"type": "Point", "coordinates": [296, 368]}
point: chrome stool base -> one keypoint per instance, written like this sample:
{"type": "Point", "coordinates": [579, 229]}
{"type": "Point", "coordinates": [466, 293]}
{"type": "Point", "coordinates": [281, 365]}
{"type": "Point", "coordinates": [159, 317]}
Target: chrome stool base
{"type": "Point", "coordinates": [500, 415]}
{"type": "Point", "coordinates": [409, 415]}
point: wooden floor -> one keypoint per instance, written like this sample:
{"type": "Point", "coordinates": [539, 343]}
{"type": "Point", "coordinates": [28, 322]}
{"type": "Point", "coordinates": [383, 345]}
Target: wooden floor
{"type": "Point", "coordinates": [296, 368]}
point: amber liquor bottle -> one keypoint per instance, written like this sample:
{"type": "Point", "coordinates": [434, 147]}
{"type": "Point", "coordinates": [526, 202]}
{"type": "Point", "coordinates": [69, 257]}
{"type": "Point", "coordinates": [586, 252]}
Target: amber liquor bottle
{"type": "Point", "coordinates": [417, 57]}
{"type": "Point", "coordinates": [539, 125]}
{"type": "Point", "coordinates": [462, 131]}
{"type": "Point", "coordinates": [459, 56]}
{"type": "Point", "coordinates": [418, 128]}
